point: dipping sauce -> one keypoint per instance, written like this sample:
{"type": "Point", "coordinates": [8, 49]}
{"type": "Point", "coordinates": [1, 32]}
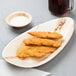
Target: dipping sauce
{"type": "Point", "coordinates": [19, 20]}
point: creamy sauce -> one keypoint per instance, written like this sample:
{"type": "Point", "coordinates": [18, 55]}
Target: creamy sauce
{"type": "Point", "coordinates": [19, 21]}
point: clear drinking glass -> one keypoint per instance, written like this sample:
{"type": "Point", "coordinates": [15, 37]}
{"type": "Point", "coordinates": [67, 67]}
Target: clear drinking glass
{"type": "Point", "coordinates": [60, 7]}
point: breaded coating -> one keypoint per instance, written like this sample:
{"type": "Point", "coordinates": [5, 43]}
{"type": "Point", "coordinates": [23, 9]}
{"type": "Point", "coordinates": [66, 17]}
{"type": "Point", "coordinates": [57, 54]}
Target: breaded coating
{"type": "Point", "coordinates": [39, 41]}
{"type": "Point", "coordinates": [53, 35]}
{"type": "Point", "coordinates": [34, 51]}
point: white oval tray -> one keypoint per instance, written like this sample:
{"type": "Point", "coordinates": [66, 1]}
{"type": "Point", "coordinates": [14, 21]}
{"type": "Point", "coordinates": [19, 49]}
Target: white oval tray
{"type": "Point", "coordinates": [9, 52]}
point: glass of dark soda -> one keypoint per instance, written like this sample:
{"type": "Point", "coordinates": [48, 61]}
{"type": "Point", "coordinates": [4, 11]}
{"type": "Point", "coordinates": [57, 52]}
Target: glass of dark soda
{"type": "Point", "coordinates": [60, 7]}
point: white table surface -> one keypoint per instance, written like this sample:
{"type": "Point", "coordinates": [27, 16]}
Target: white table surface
{"type": "Point", "coordinates": [62, 65]}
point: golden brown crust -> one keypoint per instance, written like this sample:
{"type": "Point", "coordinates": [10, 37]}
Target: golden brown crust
{"type": "Point", "coordinates": [39, 41]}
{"type": "Point", "coordinates": [34, 51]}
{"type": "Point", "coordinates": [39, 47]}
{"type": "Point", "coordinates": [53, 35]}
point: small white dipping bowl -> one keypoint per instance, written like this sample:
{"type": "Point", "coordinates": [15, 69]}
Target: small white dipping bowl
{"type": "Point", "coordinates": [19, 19]}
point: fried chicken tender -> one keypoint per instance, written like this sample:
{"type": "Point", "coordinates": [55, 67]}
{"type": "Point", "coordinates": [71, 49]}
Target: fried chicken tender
{"type": "Point", "coordinates": [39, 41]}
{"type": "Point", "coordinates": [34, 51]}
{"type": "Point", "coordinates": [53, 35]}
